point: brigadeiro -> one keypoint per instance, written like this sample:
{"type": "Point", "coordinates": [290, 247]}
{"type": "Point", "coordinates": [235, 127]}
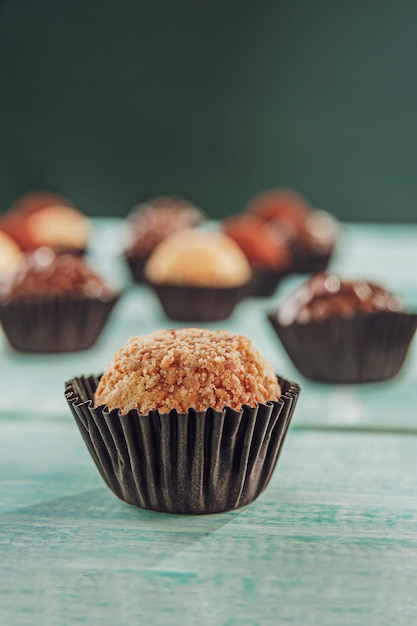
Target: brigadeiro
{"type": "Point", "coordinates": [266, 248]}
{"type": "Point", "coordinates": [198, 275]}
{"type": "Point", "coordinates": [153, 221]}
{"type": "Point", "coordinates": [42, 218]}
{"type": "Point", "coordinates": [185, 421]}
{"type": "Point", "coordinates": [10, 257]}
{"type": "Point", "coordinates": [54, 303]}
{"type": "Point", "coordinates": [310, 233]}
{"type": "Point", "coordinates": [344, 331]}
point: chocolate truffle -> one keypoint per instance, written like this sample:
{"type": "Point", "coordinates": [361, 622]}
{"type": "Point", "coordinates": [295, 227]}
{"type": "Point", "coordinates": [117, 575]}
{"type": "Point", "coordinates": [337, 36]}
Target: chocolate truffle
{"type": "Point", "coordinates": [261, 241]}
{"type": "Point", "coordinates": [344, 331]}
{"type": "Point", "coordinates": [284, 205]}
{"type": "Point", "coordinates": [310, 233]}
{"type": "Point", "coordinates": [43, 273]}
{"type": "Point", "coordinates": [325, 295]}
{"type": "Point", "coordinates": [187, 368]}
{"type": "Point", "coordinates": [153, 221]}
{"type": "Point", "coordinates": [266, 249]}
{"type": "Point", "coordinates": [34, 201]}
{"type": "Point", "coordinates": [54, 303]}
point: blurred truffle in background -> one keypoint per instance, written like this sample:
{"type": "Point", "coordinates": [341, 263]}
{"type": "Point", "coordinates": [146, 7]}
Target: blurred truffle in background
{"type": "Point", "coordinates": [310, 233]}
{"type": "Point", "coordinates": [266, 249]}
{"type": "Point", "coordinates": [149, 223]}
{"type": "Point", "coordinates": [198, 275]}
{"type": "Point", "coordinates": [10, 256]}
{"type": "Point", "coordinates": [54, 303]}
{"type": "Point", "coordinates": [281, 233]}
{"type": "Point", "coordinates": [40, 218]}
{"type": "Point", "coordinates": [343, 331]}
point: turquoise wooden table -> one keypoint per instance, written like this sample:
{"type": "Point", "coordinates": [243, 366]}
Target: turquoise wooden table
{"type": "Point", "coordinates": [332, 540]}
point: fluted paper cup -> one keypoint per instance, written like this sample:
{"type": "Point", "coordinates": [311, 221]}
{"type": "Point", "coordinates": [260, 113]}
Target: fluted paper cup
{"type": "Point", "coordinates": [188, 463]}
{"type": "Point", "coordinates": [369, 347]}
{"type": "Point", "coordinates": [265, 281]}
{"type": "Point", "coordinates": [53, 325]}
{"type": "Point", "coordinates": [185, 303]}
{"type": "Point", "coordinates": [137, 267]}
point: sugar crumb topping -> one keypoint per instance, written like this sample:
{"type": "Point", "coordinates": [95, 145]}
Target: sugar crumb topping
{"type": "Point", "coordinates": [191, 367]}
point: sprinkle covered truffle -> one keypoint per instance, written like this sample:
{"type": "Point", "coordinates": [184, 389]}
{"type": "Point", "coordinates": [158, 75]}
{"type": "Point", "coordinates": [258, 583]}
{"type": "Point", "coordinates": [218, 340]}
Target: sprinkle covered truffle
{"type": "Point", "coordinates": [326, 295]}
{"type": "Point", "coordinates": [153, 221]}
{"type": "Point", "coordinates": [43, 273]}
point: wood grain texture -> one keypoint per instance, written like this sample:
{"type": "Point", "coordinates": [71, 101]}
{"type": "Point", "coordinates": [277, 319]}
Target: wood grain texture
{"type": "Point", "coordinates": [331, 541]}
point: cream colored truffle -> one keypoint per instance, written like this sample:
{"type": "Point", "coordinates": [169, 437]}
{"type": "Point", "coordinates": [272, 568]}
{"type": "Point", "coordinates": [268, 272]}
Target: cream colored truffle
{"type": "Point", "coordinates": [191, 367]}
{"type": "Point", "coordinates": [60, 226]}
{"type": "Point", "coordinates": [199, 258]}
{"type": "Point", "coordinates": [10, 256]}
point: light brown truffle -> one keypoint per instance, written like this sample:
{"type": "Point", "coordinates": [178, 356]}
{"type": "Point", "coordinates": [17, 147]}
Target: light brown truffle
{"type": "Point", "coordinates": [198, 258]}
{"type": "Point", "coordinates": [44, 219]}
{"type": "Point", "coordinates": [187, 368]}
{"type": "Point", "coordinates": [59, 227]}
{"type": "Point", "coordinates": [10, 256]}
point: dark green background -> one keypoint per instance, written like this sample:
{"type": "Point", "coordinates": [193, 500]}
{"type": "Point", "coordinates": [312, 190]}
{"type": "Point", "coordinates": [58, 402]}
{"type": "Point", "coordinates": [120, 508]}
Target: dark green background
{"type": "Point", "coordinates": [112, 102]}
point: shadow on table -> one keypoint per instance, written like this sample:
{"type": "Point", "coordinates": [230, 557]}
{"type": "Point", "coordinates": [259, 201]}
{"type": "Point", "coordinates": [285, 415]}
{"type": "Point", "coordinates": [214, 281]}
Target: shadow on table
{"type": "Point", "coordinates": [99, 530]}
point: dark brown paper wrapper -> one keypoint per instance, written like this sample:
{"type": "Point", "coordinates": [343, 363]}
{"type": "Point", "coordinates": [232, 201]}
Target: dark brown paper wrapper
{"type": "Point", "coordinates": [137, 268]}
{"type": "Point", "coordinates": [54, 325]}
{"type": "Point", "coordinates": [198, 304]}
{"type": "Point", "coordinates": [188, 463]}
{"type": "Point", "coordinates": [81, 252]}
{"type": "Point", "coordinates": [370, 347]}
{"type": "Point", "coordinates": [310, 262]}
{"type": "Point", "coordinates": [264, 282]}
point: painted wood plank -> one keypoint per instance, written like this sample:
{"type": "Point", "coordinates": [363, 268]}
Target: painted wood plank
{"type": "Point", "coordinates": [331, 541]}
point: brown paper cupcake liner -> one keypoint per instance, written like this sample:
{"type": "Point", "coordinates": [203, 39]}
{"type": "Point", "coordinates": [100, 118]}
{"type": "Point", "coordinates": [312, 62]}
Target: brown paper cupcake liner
{"type": "Point", "coordinates": [310, 262]}
{"type": "Point", "coordinates": [81, 252]}
{"type": "Point", "coordinates": [370, 347]}
{"type": "Point", "coordinates": [137, 268]}
{"type": "Point", "coordinates": [264, 282]}
{"type": "Point", "coordinates": [53, 325]}
{"type": "Point", "coordinates": [190, 463]}
{"type": "Point", "coordinates": [185, 303]}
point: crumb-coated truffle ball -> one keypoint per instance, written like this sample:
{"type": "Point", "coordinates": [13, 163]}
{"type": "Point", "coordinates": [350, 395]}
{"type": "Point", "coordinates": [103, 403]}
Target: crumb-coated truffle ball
{"type": "Point", "coordinates": [156, 219]}
{"type": "Point", "coordinates": [43, 273]}
{"type": "Point", "coordinates": [187, 368]}
{"type": "Point", "coordinates": [198, 258]}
